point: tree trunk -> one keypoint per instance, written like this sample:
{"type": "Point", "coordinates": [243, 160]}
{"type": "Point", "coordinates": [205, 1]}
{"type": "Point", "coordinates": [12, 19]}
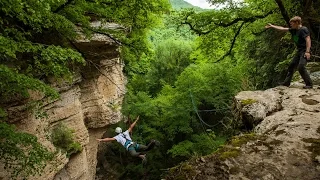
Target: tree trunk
{"type": "Point", "coordinates": [310, 16]}
{"type": "Point", "coordinates": [283, 11]}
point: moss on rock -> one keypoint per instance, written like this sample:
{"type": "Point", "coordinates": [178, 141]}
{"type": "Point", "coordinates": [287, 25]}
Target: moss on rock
{"type": "Point", "coordinates": [238, 141]}
{"type": "Point", "coordinates": [232, 150]}
{"type": "Point", "coordinates": [245, 102]}
{"type": "Point", "coordinates": [182, 171]}
{"type": "Point", "coordinates": [230, 153]}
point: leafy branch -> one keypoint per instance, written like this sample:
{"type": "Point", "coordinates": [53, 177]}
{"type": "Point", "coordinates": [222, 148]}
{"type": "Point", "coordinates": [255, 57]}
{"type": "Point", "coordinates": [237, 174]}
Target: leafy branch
{"type": "Point", "coordinates": [223, 24]}
{"type": "Point", "coordinates": [232, 42]}
{"type": "Point", "coordinates": [63, 6]}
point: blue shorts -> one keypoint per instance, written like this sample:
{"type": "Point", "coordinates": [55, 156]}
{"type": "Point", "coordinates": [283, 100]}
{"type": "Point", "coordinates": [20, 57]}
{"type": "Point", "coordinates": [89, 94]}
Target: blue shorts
{"type": "Point", "coordinates": [133, 146]}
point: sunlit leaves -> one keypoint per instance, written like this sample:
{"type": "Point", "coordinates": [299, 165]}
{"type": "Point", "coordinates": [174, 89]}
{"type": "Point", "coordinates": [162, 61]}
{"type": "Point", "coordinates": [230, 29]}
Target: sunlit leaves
{"type": "Point", "coordinates": [21, 152]}
{"type": "Point", "coordinates": [13, 84]}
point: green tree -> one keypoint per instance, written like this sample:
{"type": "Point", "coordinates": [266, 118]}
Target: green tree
{"type": "Point", "coordinates": [171, 58]}
{"type": "Point", "coordinates": [37, 44]}
{"type": "Point", "coordinates": [230, 51]}
{"type": "Point", "coordinates": [21, 153]}
{"type": "Point", "coordinates": [238, 31]}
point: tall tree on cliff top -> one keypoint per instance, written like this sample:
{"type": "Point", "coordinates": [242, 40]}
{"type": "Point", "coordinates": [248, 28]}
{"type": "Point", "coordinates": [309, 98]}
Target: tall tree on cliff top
{"type": "Point", "coordinates": [36, 42]}
{"type": "Point", "coordinates": [237, 32]}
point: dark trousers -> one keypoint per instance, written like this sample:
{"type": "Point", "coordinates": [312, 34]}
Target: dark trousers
{"type": "Point", "coordinates": [135, 149]}
{"type": "Point", "coordinates": [298, 62]}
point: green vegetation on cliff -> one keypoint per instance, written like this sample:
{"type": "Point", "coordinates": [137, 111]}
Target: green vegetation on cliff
{"type": "Point", "coordinates": [182, 72]}
{"type": "Point", "coordinates": [37, 44]}
{"type": "Point", "coordinates": [202, 59]}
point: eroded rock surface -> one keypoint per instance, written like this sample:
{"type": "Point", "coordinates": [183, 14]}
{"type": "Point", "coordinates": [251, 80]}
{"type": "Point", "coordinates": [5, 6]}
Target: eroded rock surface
{"type": "Point", "coordinates": [285, 144]}
{"type": "Point", "coordinates": [87, 105]}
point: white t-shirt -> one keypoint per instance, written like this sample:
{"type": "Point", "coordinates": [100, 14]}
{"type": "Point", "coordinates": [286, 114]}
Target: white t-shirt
{"type": "Point", "coordinates": [122, 137]}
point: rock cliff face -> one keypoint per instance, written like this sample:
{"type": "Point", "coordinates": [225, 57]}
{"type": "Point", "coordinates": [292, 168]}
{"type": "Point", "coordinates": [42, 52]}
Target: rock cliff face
{"type": "Point", "coordinates": [284, 144]}
{"type": "Point", "coordinates": [87, 105]}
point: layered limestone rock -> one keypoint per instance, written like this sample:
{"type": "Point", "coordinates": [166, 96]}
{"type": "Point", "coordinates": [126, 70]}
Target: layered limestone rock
{"type": "Point", "coordinates": [87, 105]}
{"type": "Point", "coordinates": [102, 90]}
{"type": "Point", "coordinates": [285, 143]}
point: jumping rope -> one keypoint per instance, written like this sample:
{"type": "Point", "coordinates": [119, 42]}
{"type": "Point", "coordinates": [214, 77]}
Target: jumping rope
{"type": "Point", "coordinates": [197, 112]}
{"type": "Point", "coordinates": [201, 120]}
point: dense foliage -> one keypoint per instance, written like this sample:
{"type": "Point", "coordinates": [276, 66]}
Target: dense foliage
{"type": "Point", "coordinates": [237, 32]}
{"type": "Point", "coordinates": [183, 90]}
{"type": "Point", "coordinates": [13, 148]}
{"type": "Point", "coordinates": [37, 44]}
{"type": "Point", "coordinates": [182, 75]}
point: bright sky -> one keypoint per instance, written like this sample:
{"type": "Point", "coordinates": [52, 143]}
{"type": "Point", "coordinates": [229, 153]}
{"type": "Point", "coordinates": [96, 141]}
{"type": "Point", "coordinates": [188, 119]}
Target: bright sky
{"type": "Point", "coordinates": [200, 3]}
{"type": "Point", "coordinates": [205, 5]}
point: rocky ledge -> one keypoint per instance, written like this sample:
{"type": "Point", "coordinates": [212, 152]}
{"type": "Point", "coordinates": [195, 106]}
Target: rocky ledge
{"type": "Point", "coordinates": [283, 140]}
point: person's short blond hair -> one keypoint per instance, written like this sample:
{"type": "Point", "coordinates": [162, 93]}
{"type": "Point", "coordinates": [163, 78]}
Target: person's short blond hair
{"type": "Point", "coordinates": [296, 19]}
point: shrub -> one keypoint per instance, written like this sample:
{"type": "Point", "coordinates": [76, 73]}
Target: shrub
{"type": "Point", "coordinates": [63, 138]}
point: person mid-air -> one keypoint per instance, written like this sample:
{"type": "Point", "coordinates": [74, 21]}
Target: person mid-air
{"type": "Point", "coordinates": [124, 139]}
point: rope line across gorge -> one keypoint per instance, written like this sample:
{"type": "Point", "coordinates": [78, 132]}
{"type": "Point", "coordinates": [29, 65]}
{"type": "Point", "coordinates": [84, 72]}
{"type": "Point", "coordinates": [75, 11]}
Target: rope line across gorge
{"type": "Point", "coordinates": [196, 111]}
{"type": "Point", "coordinates": [201, 121]}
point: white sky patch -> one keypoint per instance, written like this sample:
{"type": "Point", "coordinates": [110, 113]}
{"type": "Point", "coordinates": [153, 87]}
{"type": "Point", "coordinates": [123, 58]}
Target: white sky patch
{"type": "Point", "coordinates": [200, 3]}
{"type": "Point", "coordinates": [205, 5]}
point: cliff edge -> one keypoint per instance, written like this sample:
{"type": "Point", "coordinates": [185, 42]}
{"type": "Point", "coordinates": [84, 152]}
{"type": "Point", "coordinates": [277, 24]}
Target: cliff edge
{"type": "Point", "coordinates": [284, 142]}
{"type": "Point", "coordinates": [86, 106]}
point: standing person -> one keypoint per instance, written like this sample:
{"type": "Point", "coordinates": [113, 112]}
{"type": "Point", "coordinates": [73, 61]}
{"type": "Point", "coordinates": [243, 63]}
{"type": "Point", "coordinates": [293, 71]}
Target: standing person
{"type": "Point", "coordinates": [301, 37]}
{"type": "Point", "coordinates": [125, 140]}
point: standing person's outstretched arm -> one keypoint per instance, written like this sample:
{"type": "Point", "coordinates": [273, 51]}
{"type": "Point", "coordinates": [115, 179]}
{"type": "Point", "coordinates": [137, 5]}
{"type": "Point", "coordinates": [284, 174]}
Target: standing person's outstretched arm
{"type": "Point", "coordinates": [133, 124]}
{"type": "Point", "coordinates": [280, 28]}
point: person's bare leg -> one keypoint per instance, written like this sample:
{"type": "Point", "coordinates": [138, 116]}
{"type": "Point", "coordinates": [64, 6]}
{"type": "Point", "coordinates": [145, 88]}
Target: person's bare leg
{"type": "Point", "coordinates": [142, 156]}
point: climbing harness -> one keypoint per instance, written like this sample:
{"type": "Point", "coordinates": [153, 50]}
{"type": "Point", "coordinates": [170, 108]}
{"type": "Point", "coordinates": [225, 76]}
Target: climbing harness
{"type": "Point", "coordinates": [128, 142]}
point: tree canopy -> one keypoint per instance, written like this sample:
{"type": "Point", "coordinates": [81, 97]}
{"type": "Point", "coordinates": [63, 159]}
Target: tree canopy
{"type": "Point", "coordinates": [37, 43]}
{"type": "Point", "coordinates": [201, 59]}
{"type": "Point", "coordinates": [183, 64]}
